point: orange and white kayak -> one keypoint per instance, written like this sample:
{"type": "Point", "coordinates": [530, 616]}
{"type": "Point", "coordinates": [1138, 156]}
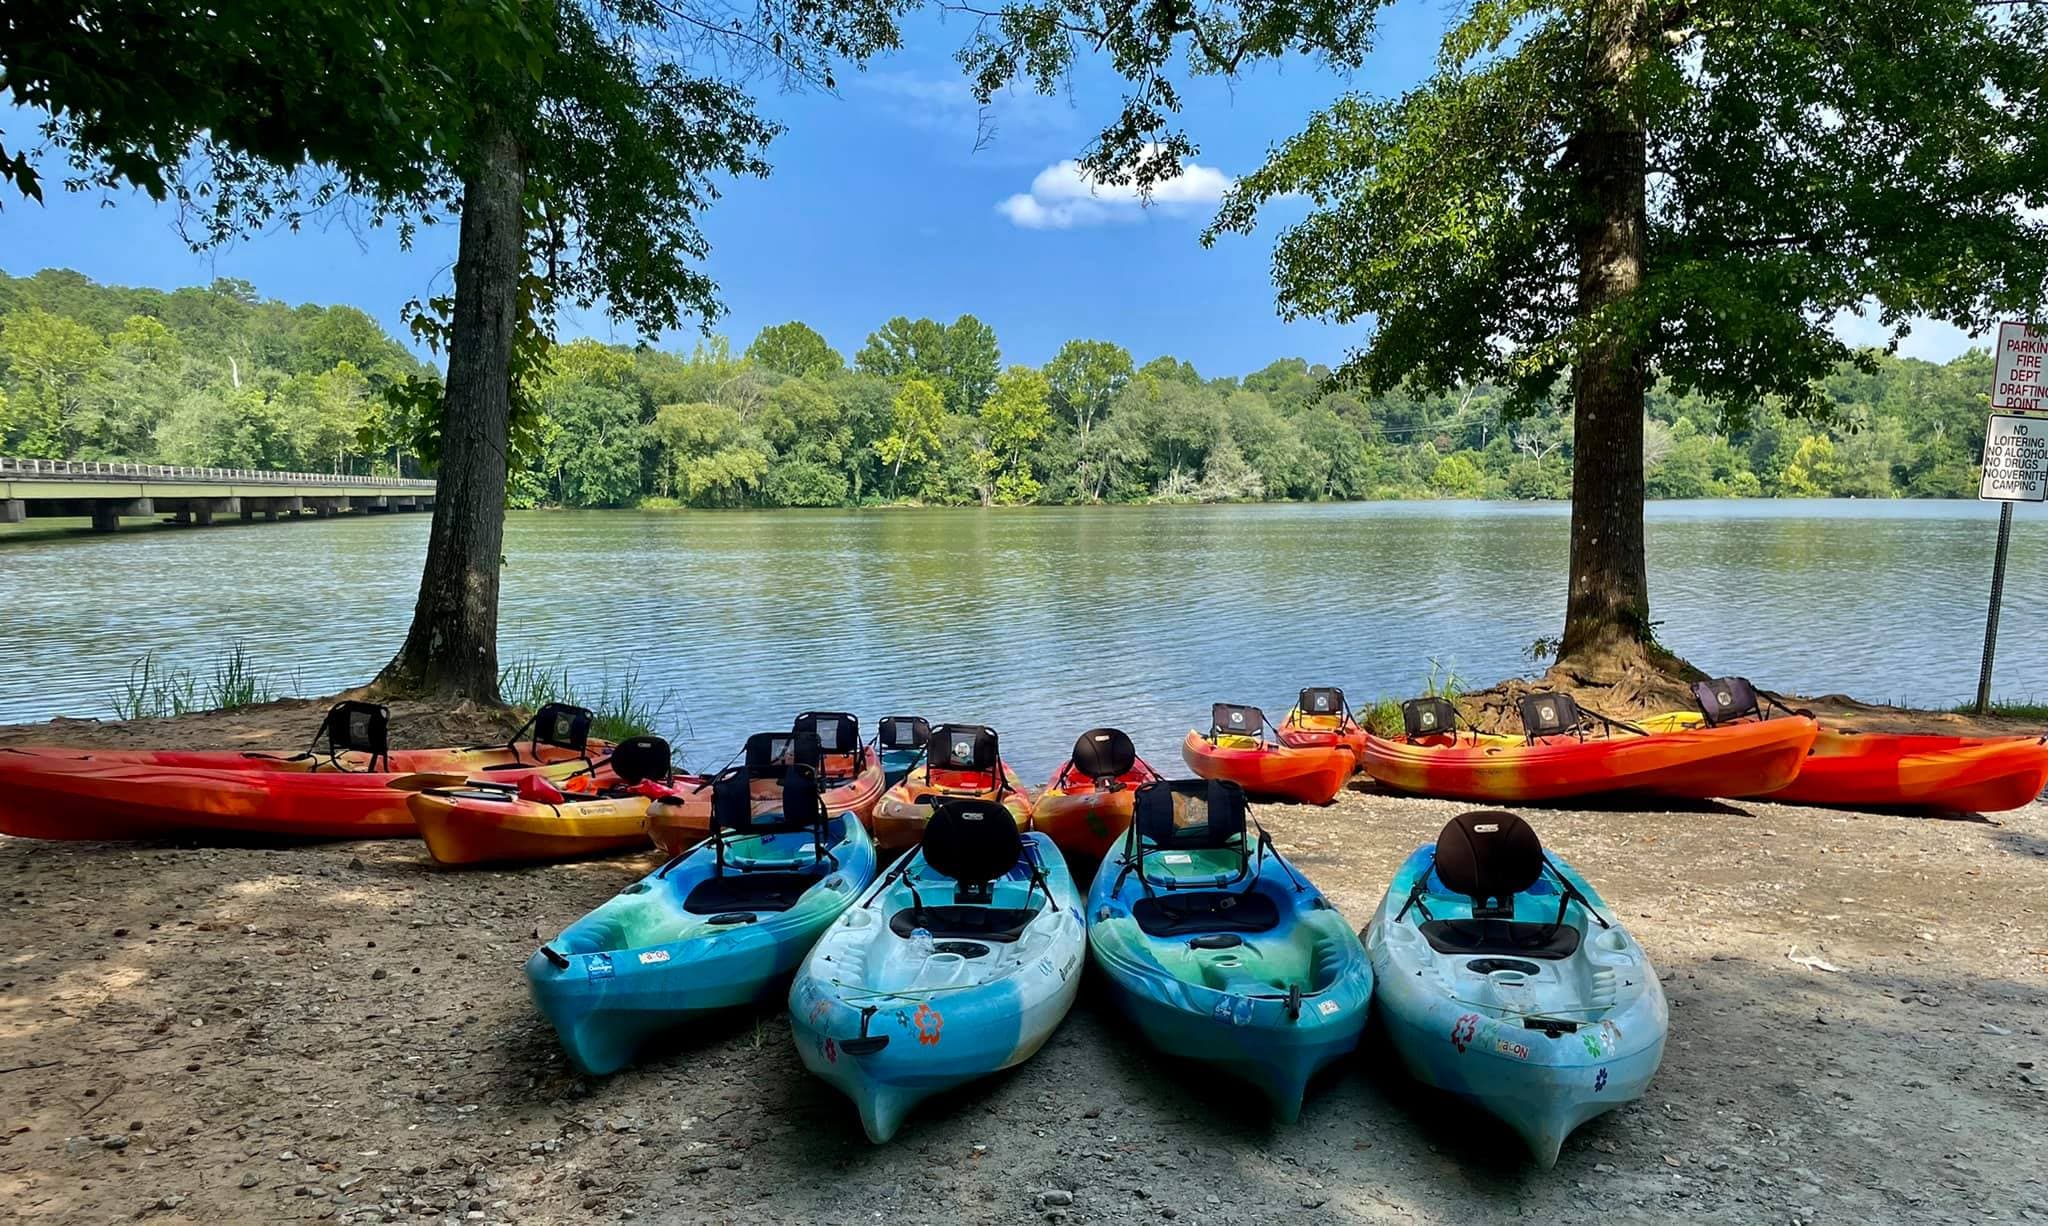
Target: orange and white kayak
{"type": "Point", "coordinates": [1088, 804]}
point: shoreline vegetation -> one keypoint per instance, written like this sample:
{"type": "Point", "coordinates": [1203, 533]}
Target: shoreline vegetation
{"type": "Point", "coordinates": [924, 414]}
{"type": "Point", "coordinates": [625, 704]}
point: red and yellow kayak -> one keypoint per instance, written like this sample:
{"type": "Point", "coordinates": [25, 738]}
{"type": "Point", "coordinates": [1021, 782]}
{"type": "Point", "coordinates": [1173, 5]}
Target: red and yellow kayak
{"type": "Point", "coordinates": [679, 822]}
{"type": "Point", "coordinates": [144, 794]}
{"type": "Point", "coordinates": [1083, 812]}
{"type": "Point", "coordinates": [1308, 774]}
{"type": "Point", "coordinates": [1731, 760]}
{"type": "Point", "coordinates": [1887, 770]}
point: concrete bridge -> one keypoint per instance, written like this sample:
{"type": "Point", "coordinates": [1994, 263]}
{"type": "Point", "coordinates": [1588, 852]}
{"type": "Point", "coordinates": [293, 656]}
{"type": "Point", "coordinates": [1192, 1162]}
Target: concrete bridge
{"type": "Point", "coordinates": [107, 491]}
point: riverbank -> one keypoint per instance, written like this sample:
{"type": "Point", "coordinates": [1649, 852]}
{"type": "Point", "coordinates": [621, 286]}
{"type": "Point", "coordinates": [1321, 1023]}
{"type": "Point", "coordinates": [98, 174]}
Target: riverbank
{"type": "Point", "coordinates": [341, 1032]}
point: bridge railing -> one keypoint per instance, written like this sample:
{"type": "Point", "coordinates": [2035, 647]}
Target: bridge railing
{"type": "Point", "coordinates": [89, 470]}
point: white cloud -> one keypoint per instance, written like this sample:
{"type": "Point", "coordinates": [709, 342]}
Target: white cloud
{"type": "Point", "coordinates": [1930, 340]}
{"type": "Point", "coordinates": [1063, 196]}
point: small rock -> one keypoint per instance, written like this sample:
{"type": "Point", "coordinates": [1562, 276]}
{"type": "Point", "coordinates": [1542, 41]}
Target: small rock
{"type": "Point", "coordinates": [380, 973]}
{"type": "Point", "coordinates": [356, 863]}
{"type": "Point", "coordinates": [2000, 1031]}
{"type": "Point", "coordinates": [116, 1143]}
{"type": "Point", "coordinates": [1603, 1168]}
{"type": "Point", "coordinates": [1055, 1199]}
{"type": "Point", "coordinates": [169, 1202]}
{"type": "Point", "coordinates": [251, 1179]}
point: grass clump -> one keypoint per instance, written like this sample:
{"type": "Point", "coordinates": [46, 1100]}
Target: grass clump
{"type": "Point", "coordinates": [2008, 708]}
{"type": "Point", "coordinates": [1383, 717]}
{"type": "Point", "coordinates": [620, 706]}
{"type": "Point", "coordinates": [156, 690]}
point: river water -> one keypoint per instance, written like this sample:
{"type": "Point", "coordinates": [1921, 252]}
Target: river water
{"type": "Point", "coordinates": [1045, 621]}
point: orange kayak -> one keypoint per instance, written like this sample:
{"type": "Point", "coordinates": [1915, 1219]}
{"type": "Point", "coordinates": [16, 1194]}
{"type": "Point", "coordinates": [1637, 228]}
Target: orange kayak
{"type": "Point", "coordinates": [961, 761]}
{"type": "Point", "coordinates": [1731, 760]}
{"type": "Point", "coordinates": [1310, 775]}
{"type": "Point", "coordinates": [1087, 806]}
{"type": "Point", "coordinates": [679, 822]}
{"type": "Point", "coordinates": [538, 821]}
{"type": "Point", "coordinates": [1885, 770]}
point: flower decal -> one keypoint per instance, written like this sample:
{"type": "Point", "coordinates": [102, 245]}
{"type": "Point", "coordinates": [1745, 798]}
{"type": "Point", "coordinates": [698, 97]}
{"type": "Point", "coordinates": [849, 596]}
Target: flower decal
{"type": "Point", "coordinates": [1462, 1031]}
{"type": "Point", "coordinates": [928, 1022]}
{"type": "Point", "coordinates": [1600, 1082]}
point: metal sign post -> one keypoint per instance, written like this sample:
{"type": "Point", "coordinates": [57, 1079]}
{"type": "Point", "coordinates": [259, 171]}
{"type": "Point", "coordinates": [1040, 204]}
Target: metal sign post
{"type": "Point", "coordinates": [2015, 457]}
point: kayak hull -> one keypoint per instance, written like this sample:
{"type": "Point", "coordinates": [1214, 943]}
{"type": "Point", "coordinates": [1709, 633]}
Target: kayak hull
{"type": "Point", "coordinates": [1084, 820]}
{"type": "Point", "coordinates": [82, 795]}
{"type": "Point", "coordinates": [678, 823]}
{"type": "Point", "coordinates": [1309, 775]}
{"type": "Point", "coordinates": [1881, 770]}
{"type": "Point", "coordinates": [488, 826]}
{"type": "Point", "coordinates": [643, 964]}
{"type": "Point", "coordinates": [919, 1023]}
{"type": "Point", "coordinates": [1460, 1021]}
{"type": "Point", "coordinates": [898, 821]}
{"type": "Point", "coordinates": [1223, 1007]}
{"type": "Point", "coordinates": [1693, 763]}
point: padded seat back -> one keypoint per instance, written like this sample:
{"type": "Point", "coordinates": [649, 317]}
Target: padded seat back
{"type": "Point", "coordinates": [1550, 714]}
{"type": "Point", "coordinates": [1726, 699]}
{"type": "Point", "coordinates": [971, 841]}
{"type": "Point", "coordinates": [1104, 753]}
{"type": "Point", "coordinates": [1322, 700]}
{"type": "Point", "coordinates": [563, 726]}
{"type": "Point", "coordinates": [1230, 719]}
{"type": "Point", "coordinates": [1189, 813]}
{"type": "Point", "coordinates": [360, 727]}
{"type": "Point", "coordinates": [962, 747]}
{"type": "Point", "coordinates": [1421, 717]}
{"type": "Point", "coordinates": [640, 758]}
{"type": "Point", "coordinates": [1489, 856]}
{"type": "Point", "coordinates": [903, 732]}
{"type": "Point", "coordinates": [837, 732]}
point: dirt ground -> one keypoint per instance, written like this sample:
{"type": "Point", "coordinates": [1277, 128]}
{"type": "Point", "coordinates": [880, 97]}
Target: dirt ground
{"type": "Point", "coordinates": [342, 1032]}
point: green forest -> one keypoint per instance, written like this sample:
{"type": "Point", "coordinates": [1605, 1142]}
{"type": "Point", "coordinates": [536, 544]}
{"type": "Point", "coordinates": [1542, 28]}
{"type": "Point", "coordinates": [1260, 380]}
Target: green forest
{"type": "Point", "coordinates": [923, 412]}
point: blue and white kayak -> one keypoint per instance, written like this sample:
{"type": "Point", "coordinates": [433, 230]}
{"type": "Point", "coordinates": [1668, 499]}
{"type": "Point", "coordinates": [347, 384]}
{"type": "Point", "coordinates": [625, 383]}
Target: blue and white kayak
{"type": "Point", "coordinates": [900, 739]}
{"type": "Point", "coordinates": [1501, 979]}
{"type": "Point", "coordinates": [959, 963]}
{"type": "Point", "coordinates": [719, 926]}
{"type": "Point", "coordinates": [1218, 950]}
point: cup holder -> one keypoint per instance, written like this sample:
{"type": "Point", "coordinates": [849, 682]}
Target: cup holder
{"type": "Point", "coordinates": [1503, 970]}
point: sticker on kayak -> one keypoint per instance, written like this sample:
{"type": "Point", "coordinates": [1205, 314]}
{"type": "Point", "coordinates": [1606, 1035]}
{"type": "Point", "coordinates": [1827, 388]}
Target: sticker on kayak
{"type": "Point", "coordinates": [1600, 1082]}
{"type": "Point", "coordinates": [1327, 1008]}
{"type": "Point", "coordinates": [1462, 1031]}
{"type": "Point", "coordinates": [1234, 1011]}
{"type": "Point", "coordinates": [1177, 857]}
{"type": "Point", "coordinates": [600, 966]}
{"type": "Point", "coordinates": [652, 956]}
{"type": "Point", "coordinates": [929, 1022]}
{"type": "Point", "coordinates": [1505, 1048]}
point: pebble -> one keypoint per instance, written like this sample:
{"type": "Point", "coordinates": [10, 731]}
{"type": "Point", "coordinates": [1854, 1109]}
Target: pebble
{"type": "Point", "coordinates": [1056, 1198]}
{"type": "Point", "coordinates": [251, 1179]}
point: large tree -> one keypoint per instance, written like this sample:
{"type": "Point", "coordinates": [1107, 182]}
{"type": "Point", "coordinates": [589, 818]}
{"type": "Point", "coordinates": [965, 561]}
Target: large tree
{"type": "Point", "coordinates": [1593, 194]}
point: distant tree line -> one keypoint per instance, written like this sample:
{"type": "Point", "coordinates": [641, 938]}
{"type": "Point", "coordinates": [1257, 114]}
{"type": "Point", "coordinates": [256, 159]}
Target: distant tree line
{"type": "Point", "coordinates": [925, 412]}
{"type": "Point", "coordinates": [214, 376]}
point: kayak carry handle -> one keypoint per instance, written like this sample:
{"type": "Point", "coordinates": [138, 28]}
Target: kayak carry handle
{"type": "Point", "coordinates": [561, 962]}
{"type": "Point", "coordinates": [867, 1044]}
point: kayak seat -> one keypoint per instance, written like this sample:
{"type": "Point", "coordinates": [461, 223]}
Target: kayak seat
{"type": "Point", "coordinates": [1522, 938]}
{"type": "Point", "coordinates": [1002, 925]}
{"type": "Point", "coordinates": [1205, 911]}
{"type": "Point", "coordinates": [749, 892]}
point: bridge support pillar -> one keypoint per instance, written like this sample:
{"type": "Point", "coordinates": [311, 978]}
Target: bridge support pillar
{"type": "Point", "coordinates": [12, 510]}
{"type": "Point", "coordinates": [106, 513]}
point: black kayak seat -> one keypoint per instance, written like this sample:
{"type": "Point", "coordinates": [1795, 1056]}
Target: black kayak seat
{"type": "Point", "coordinates": [1517, 938]}
{"type": "Point", "coordinates": [768, 891]}
{"type": "Point", "coordinates": [1002, 925]}
{"type": "Point", "coordinates": [1180, 914]}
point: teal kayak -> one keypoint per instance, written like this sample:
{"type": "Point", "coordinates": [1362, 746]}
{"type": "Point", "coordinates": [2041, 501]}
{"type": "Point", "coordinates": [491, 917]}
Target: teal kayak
{"type": "Point", "coordinates": [901, 740]}
{"type": "Point", "coordinates": [1501, 979]}
{"type": "Point", "coordinates": [959, 963]}
{"type": "Point", "coordinates": [1218, 950]}
{"type": "Point", "coordinates": [721, 925]}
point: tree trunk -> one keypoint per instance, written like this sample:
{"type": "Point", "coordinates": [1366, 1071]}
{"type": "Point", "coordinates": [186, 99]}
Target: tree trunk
{"type": "Point", "coordinates": [1607, 612]}
{"type": "Point", "coordinates": [452, 649]}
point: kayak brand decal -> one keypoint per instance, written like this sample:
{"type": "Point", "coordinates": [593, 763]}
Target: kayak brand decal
{"type": "Point", "coordinates": [1327, 1008]}
{"type": "Point", "coordinates": [929, 1022]}
{"type": "Point", "coordinates": [653, 956]}
{"type": "Point", "coordinates": [1462, 1031]}
{"type": "Point", "coordinates": [1600, 1082]}
{"type": "Point", "coordinates": [1505, 1048]}
{"type": "Point", "coordinates": [600, 966]}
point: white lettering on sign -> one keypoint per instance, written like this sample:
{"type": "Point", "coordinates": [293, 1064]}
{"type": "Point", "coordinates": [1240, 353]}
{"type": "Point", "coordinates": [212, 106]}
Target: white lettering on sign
{"type": "Point", "coordinates": [2015, 460]}
{"type": "Point", "coordinates": [2020, 379]}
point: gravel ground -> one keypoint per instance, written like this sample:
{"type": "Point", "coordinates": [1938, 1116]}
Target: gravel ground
{"type": "Point", "coordinates": [342, 1032]}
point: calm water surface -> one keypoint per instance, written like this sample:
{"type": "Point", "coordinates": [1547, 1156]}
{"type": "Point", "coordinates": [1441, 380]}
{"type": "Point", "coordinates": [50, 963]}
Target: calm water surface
{"type": "Point", "coordinates": [1042, 622]}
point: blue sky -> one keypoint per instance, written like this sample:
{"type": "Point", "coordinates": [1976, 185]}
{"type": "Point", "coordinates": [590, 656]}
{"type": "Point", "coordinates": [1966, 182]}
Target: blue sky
{"type": "Point", "coordinates": [881, 204]}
